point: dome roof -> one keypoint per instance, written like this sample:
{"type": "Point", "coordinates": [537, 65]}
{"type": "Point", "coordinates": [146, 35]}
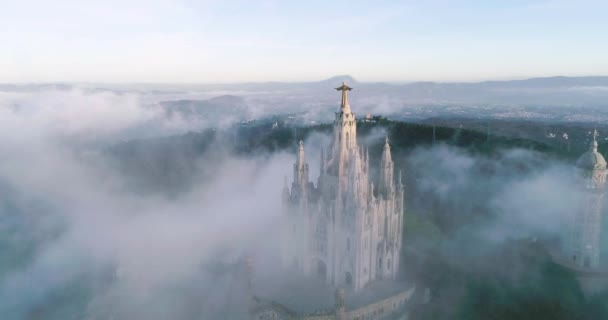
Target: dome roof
{"type": "Point", "coordinates": [591, 159]}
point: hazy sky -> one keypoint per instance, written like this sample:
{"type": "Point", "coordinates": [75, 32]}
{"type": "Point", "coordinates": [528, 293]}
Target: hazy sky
{"type": "Point", "coordinates": [266, 40]}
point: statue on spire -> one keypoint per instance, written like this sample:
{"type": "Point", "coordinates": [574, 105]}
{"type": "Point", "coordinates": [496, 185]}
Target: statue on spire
{"type": "Point", "coordinates": [594, 142]}
{"type": "Point", "coordinates": [595, 134]}
{"type": "Point", "coordinates": [344, 88]}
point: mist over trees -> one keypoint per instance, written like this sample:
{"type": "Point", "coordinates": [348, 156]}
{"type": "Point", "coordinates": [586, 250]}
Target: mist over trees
{"type": "Point", "coordinates": [123, 211]}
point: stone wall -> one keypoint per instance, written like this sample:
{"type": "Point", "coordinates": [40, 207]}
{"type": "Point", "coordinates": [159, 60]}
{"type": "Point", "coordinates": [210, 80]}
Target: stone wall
{"type": "Point", "coordinates": [378, 310]}
{"type": "Point", "coordinates": [383, 308]}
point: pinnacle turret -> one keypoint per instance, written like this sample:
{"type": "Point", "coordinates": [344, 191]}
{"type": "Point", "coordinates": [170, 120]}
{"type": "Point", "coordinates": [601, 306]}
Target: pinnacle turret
{"type": "Point", "coordinates": [594, 142]}
{"type": "Point", "coordinates": [386, 153]}
{"type": "Point", "coordinates": [300, 168]}
{"type": "Point", "coordinates": [386, 170]}
{"type": "Point", "coordinates": [301, 161]}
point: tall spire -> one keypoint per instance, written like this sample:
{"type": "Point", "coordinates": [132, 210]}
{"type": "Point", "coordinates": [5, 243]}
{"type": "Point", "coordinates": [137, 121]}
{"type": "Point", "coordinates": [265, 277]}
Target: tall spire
{"type": "Point", "coordinates": [301, 160]}
{"type": "Point", "coordinates": [584, 235]}
{"type": "Point", "coordinates": [344, 88]}
{"type": "Point", "coordinates": [344, 142]}
{"type": "Point", "coordinates": [300, 168]}
{"type": "Point", "coordinates": [386, 170]}
{"type": "Point", "coordinates": [386, 153]}
{"type": "Point", "coordinates": [594, 142]}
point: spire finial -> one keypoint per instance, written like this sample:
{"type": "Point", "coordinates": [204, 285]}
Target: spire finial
{"type": "Point", "coordinates": [386, 144]}
{"type": "Point", "coordinates": [594, 142]}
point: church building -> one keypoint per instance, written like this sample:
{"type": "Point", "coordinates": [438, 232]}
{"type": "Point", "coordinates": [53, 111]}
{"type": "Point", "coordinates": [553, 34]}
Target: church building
{"type": "Point", "coordinates": [344, 229]}
{"type": "Point", "coordinates": [582, 250]}
{"type": "Point", "coordinates": [584, 237]}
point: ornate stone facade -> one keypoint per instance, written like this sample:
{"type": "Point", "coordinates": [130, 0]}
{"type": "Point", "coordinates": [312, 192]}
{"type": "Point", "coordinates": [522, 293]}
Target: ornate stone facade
{"type": "Point", "coordinates": [583, 245]}
{"type": "Point", "coordinates": [343, 230]}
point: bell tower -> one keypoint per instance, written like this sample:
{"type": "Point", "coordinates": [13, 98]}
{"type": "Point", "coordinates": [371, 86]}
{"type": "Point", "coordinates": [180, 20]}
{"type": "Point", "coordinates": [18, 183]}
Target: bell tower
{"type": "Point", "coordinates": [386, 185]}
{"type": "Point", "coordinates": [344, 135]}
{"type": "Point", "coordinates": [584, 237]}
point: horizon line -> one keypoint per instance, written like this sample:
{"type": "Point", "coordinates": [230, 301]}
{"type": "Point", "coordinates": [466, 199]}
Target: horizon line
{"type": "Point", "coordinates": [354, 79]}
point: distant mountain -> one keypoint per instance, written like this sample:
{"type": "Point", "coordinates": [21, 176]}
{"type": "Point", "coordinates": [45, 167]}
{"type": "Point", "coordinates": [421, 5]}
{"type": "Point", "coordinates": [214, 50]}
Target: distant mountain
{"type": "Point", "coordinates": [564, 99]}
{"type": "Point", "coordinates": [339, 79]}
{"type": "Point", "coordinates": [592, 81]}
{"type": "Point", "coordinates": [442, 92]}
{"type": "Point", "coordinates": [558, 81]}
{"type": "Point", "coordinates": [416, 88]}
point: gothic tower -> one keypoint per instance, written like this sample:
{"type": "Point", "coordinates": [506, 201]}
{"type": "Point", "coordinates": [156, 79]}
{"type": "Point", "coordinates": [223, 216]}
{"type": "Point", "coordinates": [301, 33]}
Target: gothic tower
{"type": "Point", "coordinates": [584, 239]}
{"type": "Point", "coordinates": [339, 230]}
{"type": "Point", "coordinates": [386, 185]}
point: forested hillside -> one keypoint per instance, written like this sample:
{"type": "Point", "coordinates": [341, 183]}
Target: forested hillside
{"type": "Point", "coordinates": [446, 246]}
